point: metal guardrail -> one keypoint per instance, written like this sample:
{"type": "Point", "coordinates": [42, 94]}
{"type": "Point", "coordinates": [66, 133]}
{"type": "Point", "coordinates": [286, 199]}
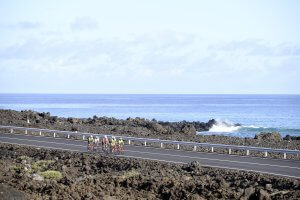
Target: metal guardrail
{"type": "Point", "coordinates": [67, 134]}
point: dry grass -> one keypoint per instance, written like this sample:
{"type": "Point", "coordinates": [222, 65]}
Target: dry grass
{"type": "Point", "coordinates": [41, 165]}
{"type": "Point", "coordinates": [51, 174]}
{"type": "Point", "coordinates": [130, 174]}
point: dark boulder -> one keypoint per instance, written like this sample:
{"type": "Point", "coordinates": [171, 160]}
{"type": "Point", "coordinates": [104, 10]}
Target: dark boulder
{"type": "Point", "coordinates": [193, 166]}
{"type": "Point", "coordinates": [248, 192]}
{"type": "Point", "coordinates": [44, 115]}
{"type": "Point", "coordinates": [274, 136]}
{"type": "Point", "coordinates": [188, 129]}
{"type": "Point", "coordinates": [288, 137]}
{"type": "Point", "coordinates": [156, 127]}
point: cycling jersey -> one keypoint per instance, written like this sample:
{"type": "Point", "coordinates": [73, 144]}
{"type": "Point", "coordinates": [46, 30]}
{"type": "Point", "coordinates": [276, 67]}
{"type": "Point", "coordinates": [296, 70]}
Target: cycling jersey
{"type": "Point", "coordinates": [121, 142]}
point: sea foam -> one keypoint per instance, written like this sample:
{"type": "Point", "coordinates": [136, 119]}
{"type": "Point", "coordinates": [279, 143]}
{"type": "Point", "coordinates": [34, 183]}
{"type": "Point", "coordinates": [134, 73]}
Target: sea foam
{"type": "Point", "coordinates": [224, 127]}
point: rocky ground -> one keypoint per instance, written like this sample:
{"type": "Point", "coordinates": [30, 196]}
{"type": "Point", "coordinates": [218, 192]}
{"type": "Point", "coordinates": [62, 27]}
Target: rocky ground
{"type": "Point", "coordinates": [32, 173]}
{"type": "Point", "coordinates": [182, 131]}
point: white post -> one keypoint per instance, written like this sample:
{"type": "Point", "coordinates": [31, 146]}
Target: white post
{"type": "Point", "coordinates": [145, 143]}
{"type": "Point", "coordinates": [128, 141]}
{"type": "Point", "coordinates": [11, 130]}
{"type": "Point", "coordinates": [178, 146]}
{"type": "Point", "coordinates": [266, 153]}
{"type": "Point", "coordinates": [53, 134]}
{"type": "Point", "coordinates": [212, 149]}
{"type": "Point", "coordinates": [40, 132]}
{"type": "Point", "coordinates": [284, 155]}
{"type": "Point", "coordinates": [195, 148]}
{"type": "Point", "coordinates": [83, 137]}
{"type": "Point", "coordinates": [247, 152]}
{"type": "Point", "coordinates": [161, 145]}
{"type": "Point", "coordinates": [229, 151]}
{"type": "Point", "coordinates": [26, 132]}
{"type": "Point", "coordinates": [68, 136]}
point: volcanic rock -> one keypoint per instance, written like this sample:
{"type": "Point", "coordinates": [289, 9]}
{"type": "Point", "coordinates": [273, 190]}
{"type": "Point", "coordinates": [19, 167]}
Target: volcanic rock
{"type": "Point", "coordinates": [8, 193]}
{"type": "Point", "coordinates": [274, 136]}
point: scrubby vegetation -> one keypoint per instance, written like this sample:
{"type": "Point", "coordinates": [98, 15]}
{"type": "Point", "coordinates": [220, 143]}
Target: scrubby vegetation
{"type": "Point", "coordinates": [51, 174]}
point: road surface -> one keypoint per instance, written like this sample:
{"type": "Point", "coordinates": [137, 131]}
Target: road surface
{"type": "Point", "coordinates": [288, 168]}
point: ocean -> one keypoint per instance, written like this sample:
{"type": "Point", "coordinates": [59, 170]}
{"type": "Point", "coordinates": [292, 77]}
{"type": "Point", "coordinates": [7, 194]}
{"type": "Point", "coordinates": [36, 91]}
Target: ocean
{"type": "Point", "coordinates": [256, 113]}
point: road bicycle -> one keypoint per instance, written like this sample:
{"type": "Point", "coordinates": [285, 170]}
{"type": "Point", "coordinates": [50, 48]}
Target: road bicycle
{"type": "Point", "coordinates": [90, 147]}
{"type": "Point", "coordinates": [121, 149]}
{"type": "Point", "coordinates": [105, 149]}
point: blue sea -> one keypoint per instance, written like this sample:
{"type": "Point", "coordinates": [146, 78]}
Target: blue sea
{"type": "Point", "coordinates": [256, 113]}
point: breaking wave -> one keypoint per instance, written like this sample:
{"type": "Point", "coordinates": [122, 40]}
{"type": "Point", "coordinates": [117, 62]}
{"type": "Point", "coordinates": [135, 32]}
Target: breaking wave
{"type": "Point", "coordinates": [224, 127]}
{"type": "Point", "coordinates": [228, 127]}
{"type": "Point", "coordinates": [232, 129]}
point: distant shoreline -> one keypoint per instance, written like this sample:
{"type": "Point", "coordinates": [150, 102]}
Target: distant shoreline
{"type": "Point", "coordinates": [257, 113]}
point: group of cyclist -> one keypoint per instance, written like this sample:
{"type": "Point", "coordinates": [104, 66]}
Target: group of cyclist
{"type": "Point", "coordinates": [108, 146]}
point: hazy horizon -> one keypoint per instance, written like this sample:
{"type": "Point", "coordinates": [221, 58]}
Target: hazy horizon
{"type": "Point", "coordinates": [157, 93]}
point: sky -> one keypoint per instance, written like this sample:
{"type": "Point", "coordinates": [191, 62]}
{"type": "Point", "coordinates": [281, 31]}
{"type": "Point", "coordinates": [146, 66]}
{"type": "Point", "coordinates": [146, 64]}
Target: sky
{"type": "Point", "coordinates": [150, 47]}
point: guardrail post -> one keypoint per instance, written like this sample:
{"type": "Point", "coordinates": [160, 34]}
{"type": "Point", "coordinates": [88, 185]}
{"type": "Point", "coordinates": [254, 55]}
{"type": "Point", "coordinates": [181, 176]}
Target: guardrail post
{"type": "Point", "coordinates": [195, 148]}
{"type": "Point", "coordinates": [229, 151]}
{"type": "Point", "coordinates": [247, 152]}
{"type": "Point", "coordinates": [161, 145]}
{"type": "Point", "coordinates": [284, 155]}
{"type": "Point", "coordinates": [54, 134]}
{"type": "Point", "coordinates": [178, 146]}
{"type": "Point", "coordinates": [40, 132]}
{"type": "Point", "coordinates": [128, 141]}
{"type": "Point", "coordinates": [212, 149]}
{"type": "Point", "coordinates": [11, 130]}
{"type": "Point", "coordinates": [266, 153]}
{"type": "Point", "coordinates": [68, 136]}
{"type": "Point", "coordinates": [26, 132]}
{"type": "Point", "coordinates": [145, 143]}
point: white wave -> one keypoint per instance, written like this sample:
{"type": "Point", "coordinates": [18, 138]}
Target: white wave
{"type": "Point", "coordinates": [253, 126]}
{"type": "Point", "coordinates": [223, 127]}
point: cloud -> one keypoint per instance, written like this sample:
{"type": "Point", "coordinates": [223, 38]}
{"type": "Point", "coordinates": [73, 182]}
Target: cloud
{"type": "Point", "coordinates": [171, 59]}
{"type": "Point", "coordinates": [25, 25]}
{"type": "Point", "coordinates": [84, 23]}
{"type": "Point", "coordinates": [252, 47]}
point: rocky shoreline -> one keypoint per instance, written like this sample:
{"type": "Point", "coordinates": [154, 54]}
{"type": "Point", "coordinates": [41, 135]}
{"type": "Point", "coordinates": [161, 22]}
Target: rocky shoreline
{"type": "Point", "coordinates": [23, 173]}
{"type": "Point", "coordinates": [139, 127]}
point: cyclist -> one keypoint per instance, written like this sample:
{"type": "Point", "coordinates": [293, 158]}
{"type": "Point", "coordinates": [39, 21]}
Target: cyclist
{"type": "Point", "coordinates": [113, 144]}
{"type": "Point", "coordinates": [121, 146]}
{"type": "Point", "coordinates": [90, 143]}
{"type": "Point", "coordinates": [105, 144]}
{"type": "Point", "coordinates": [96, 143]}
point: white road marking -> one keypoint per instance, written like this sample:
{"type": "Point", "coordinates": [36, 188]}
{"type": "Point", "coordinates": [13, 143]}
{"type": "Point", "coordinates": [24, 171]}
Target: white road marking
{"type": "Point", "coordinates": [212, 166]}
{"type": "Point", "coordinates": [149, 147]}
{"type": "Point", "coordinates": [213, 159]}
{"type": "Point", "coordinates": [160, 160]}
{"type": "Point", "coordinates": [222, 154]}
{"type": "Point", "coordinates": [42, 141]}
{"type": "Point", "coordinates": [43, 136]}
{"type": "Point", "coordinates": [162, 154]}
{"type": "Point", "coordinates": [249, 170]}
{"type": "Point", "coordinates": [151, 159]}
{"type": "Point", "coordinates": [42, 147]}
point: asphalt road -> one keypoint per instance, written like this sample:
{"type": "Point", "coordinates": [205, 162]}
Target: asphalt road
{"type": "Point", "coordinates": [288, 168]}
